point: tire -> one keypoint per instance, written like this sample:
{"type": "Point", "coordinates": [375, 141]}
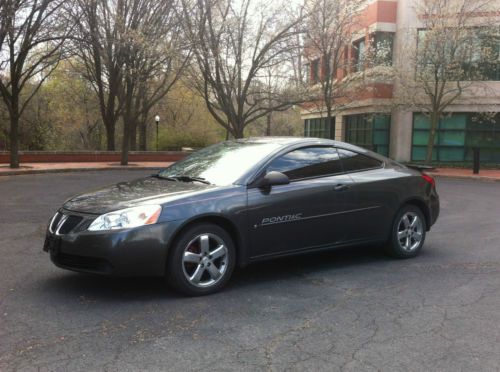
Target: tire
{"type": "Point", "coordinates": [407, 233]}
{"type": "Point", "coordinates": [201, 260]}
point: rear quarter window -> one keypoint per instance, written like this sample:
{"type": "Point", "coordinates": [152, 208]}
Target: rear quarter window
{"type": "Point", "coordinates": [354, 162]}
{"type": "Point", "coordinates": [308, 162]}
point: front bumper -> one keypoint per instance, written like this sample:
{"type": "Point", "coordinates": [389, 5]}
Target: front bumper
{"type": "Point", "coordinates": [140, 251]}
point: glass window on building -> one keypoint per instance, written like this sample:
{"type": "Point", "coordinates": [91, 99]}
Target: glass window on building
{"type": "Point", "coordinates": [306, 73]}
{"type": "Point", "coordinates": [456, 136]}
{"type": "Point", "coordinates": [488, 60]}
{"type": "Point", "coordinates": [382, 44]}
{"type": "Point", "coordinates": [319, 127]}
{"type": "Point", "coordinates": [370, 131]}
{"type": "Point", "coordinates": [475, 58]}
{"type": "Point", "coordinates": [359, 50]}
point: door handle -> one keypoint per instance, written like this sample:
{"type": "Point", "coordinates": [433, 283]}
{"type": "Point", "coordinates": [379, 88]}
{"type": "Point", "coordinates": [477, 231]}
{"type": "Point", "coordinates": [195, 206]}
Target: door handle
{"type": "Point", "coordinates": [340, 187]}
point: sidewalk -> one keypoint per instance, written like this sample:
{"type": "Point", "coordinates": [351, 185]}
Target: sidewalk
{"type": "Point", "coordinates": [31, 168]}
{"type": "Point", "coordinates": [485, 174]}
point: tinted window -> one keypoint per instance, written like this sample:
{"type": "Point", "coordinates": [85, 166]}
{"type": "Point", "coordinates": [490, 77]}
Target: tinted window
{"type": "Point", "coordinates": [352, 161]}
{"type": "Point", "coordinates": [307, 162]}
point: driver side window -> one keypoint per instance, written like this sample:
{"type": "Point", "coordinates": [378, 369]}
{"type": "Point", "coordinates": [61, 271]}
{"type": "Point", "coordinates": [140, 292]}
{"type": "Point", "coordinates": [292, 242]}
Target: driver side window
{"type": "Point", "coordinates": [308, 162]}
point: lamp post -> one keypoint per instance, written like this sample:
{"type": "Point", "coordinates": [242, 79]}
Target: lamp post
{"type": "Point", "coordinates": [157, 120]}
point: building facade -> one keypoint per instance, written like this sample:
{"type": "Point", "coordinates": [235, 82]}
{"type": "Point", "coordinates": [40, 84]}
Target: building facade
{"type": "Point", "coordinates": [374, 120]}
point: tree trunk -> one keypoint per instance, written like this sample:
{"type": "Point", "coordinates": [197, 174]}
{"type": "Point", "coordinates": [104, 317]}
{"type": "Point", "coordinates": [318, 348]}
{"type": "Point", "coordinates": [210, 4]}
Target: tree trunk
{"type": "Point", "coordinates": [329, 124]}
{"type": "Point", "coordinates": [14, 127]}
{"type": "Point", "coordinates": [133, 136]}
{"type": "Point", "coordinates": [126, 141]}
{"type": "Point", "coordinates": [238, 132]}
{"type": "Point", "coordinates": [127, 124]}
{"type": "Point", "coordinates": [110, 136]}
{"type": "Point", "coordinates": [143, 126]}
{"type": "Point", "coordinates": [14, 140]}
{"type": "Point", "coordinates": [432, 136]}
{"type": "Point", "coordinates": [143, 132]}
{"type": "Point", "coordinates": [268, 124]}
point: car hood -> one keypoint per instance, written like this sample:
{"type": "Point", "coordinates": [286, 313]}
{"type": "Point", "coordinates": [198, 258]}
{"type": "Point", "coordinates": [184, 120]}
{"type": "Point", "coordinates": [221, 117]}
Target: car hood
{"type": "Point", "coordinates": [148, 190]}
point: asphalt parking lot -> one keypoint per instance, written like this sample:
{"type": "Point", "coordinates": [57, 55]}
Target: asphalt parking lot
{"type": "Point", "coordinates": [344, 310]}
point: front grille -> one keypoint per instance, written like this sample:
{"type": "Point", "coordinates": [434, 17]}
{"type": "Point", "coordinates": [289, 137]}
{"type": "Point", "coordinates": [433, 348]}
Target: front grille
{"type": "Point", "coordinates": [69, 224]}
{"type": "Point", "coordinates": [66, 222]}
{"type": "Point", "coordinates": [81, 263]}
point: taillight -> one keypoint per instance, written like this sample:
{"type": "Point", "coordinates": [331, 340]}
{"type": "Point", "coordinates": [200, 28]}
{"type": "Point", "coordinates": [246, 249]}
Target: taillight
{"type": "Point", "coordinates": [429, 179]}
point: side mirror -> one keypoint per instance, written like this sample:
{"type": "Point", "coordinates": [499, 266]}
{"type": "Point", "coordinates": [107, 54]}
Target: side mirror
{"type": "Point", "coordinates": [273, 179]}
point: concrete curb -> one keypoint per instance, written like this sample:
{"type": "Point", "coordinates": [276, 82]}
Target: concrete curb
{"type": "Point", "coordinates": [68, 170]}
{"type": "Point", "coordinates": [474, 178]}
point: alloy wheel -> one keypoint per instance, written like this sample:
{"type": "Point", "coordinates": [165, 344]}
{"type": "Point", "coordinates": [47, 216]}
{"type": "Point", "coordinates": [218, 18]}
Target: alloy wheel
{"type": "Point", "coordinates": [410, 231]}
{"type": "Point", "coordinates": [205, 260]}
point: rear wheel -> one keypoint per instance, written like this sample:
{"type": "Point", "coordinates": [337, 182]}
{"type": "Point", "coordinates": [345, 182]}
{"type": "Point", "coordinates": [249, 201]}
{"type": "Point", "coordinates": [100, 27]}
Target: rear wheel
{"type": "Point", "coordinates": [202, 260]}
{"type": "Point", "coordinates": [408, 233]}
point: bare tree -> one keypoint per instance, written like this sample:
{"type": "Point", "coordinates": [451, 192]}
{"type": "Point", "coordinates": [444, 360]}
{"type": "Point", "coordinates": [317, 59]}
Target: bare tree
{"type": "Point", "coordinates": [277, 84]}
{"type": "Point", "coordinates": [296, 54]}
{"type": "Point", "coordinates": [453, 48]}
{"type": "Point", "coordinates": [98, 45]}
{"type": "Point", "coordinates": [154, 58]}
{"type": "Point", "coordinates": [133, 53]}
{"type": "Point", "coordinates": [233, 43]}
{"type": "Point", "coordinates": [330, 24]}
{"type": "Point", "coordinates": [31, 39]}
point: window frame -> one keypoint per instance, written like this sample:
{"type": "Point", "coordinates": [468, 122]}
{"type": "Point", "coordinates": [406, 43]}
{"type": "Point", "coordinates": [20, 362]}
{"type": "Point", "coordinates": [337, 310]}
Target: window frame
{"type": "Point", "coordinates": [490, 69]}
{"type": "Point", "coordinates": [382, 163]}
{"type": "Point", "coordinates": [359, 60]}
{"type": "Point", "coordinates": [377, 38]}
{"type": "Point", "coordinates": [305, 147]}
{"type": "Point", "coordinates": [319, 128]}
{"type": "Point", "coordinates": [263, 169]}
{"type": "Point", "coordinates": [357, 126]}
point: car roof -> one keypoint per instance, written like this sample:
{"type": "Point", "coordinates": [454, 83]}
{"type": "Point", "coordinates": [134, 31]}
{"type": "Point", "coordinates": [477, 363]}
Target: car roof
{"type": "Point", "coordinates": [284, 141]}
{"type": "Point", "coordinates": [287, 141]}
{"type": "Point", "coordinates": [306, 141]}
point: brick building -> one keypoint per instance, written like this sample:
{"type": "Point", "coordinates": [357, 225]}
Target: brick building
{"type": "Point", "coordinates": [372, 119]}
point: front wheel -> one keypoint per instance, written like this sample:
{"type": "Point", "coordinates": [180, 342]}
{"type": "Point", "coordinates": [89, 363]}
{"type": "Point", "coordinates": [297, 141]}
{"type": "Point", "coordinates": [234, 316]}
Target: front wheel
{"type": "Point", "coordinates": [408, 233]}
{"type": "Point", "coordinates": [202, 260]}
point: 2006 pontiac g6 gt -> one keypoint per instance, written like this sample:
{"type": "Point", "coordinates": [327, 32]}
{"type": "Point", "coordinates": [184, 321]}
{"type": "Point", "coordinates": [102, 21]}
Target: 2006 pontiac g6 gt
{"type": "Point", "coordinates": [242, 201]}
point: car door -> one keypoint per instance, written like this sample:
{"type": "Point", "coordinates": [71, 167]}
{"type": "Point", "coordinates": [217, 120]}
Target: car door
{"type": "Point", "coordinates": [375, 193]}
{"type": "Point", "coordinates": [305, 214]}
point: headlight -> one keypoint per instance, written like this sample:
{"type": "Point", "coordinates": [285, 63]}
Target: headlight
{"type": "Point", "coordinates": [126, 218]}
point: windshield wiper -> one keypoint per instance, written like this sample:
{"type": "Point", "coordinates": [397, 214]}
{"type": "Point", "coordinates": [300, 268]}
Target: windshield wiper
{"type": "Point", "coordinates": [182, 178]}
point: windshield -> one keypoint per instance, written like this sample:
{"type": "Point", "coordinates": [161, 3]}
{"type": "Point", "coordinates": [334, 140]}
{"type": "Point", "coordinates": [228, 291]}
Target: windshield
{"type": "Point", "coordinates": [220, 164]}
